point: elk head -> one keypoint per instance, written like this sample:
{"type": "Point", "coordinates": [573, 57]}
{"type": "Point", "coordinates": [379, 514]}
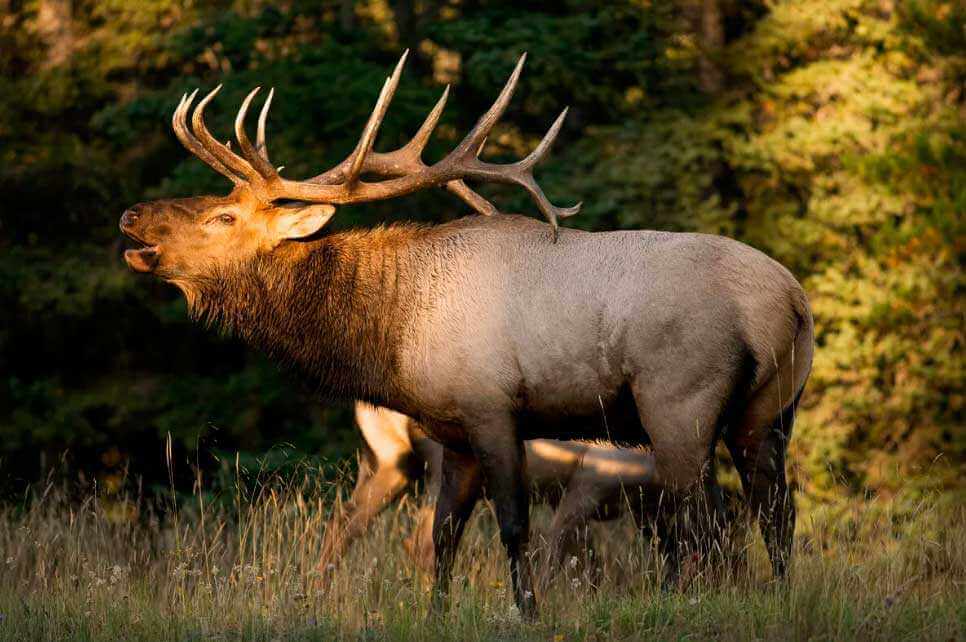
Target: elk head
{"type": "Point", "coordinates": [187, 239]}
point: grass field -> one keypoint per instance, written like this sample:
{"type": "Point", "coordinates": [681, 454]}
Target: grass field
{"type": "Point", "coordinates": [245, 569]}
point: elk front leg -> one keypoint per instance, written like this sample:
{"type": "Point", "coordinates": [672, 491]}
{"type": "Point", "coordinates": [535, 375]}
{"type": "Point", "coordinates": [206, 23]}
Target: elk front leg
{"type": "Point", "coordinates": [459, 491]}
{"type": "Point", "coordinates": [368, 499]}
{"type": "Point", "coordinates": [503, 461]}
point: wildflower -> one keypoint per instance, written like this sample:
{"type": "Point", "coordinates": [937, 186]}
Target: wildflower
{"type": "Point", "coordinates": [117, 573]}
{"type": "Point", "coordinates": [573, 561]}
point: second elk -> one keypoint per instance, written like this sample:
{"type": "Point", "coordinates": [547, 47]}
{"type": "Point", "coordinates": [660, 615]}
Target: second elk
{"type": "Point", "coordinates": [581, 481]}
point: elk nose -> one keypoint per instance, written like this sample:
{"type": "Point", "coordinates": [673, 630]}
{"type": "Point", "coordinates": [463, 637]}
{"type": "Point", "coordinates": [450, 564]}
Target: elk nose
{"type": "Point", "coordinates": [130, 217]}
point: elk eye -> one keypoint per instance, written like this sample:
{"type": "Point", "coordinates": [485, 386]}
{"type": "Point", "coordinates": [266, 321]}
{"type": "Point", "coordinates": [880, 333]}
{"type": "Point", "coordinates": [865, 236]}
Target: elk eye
{"type": "Point", "coordinates": [224, 219]}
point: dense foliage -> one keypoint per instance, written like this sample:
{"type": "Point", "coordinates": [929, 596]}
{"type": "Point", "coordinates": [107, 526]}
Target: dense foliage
{"type": "Point", "coordinates": [829, 133]}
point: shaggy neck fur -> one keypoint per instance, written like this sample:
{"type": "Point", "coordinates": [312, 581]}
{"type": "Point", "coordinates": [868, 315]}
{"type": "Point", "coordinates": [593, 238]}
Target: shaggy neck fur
{"type": "Point", "coordinates": [335, 309]}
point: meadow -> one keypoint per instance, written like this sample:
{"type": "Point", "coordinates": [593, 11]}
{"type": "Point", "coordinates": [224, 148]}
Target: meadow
{"type": "Point", "coordinates": [830, 134]}
{"type": "Point", "coordinates": [243, 566]}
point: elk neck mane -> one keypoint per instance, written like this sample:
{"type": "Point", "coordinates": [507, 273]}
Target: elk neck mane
{"type": "Point", "coordinates": [334, 309]}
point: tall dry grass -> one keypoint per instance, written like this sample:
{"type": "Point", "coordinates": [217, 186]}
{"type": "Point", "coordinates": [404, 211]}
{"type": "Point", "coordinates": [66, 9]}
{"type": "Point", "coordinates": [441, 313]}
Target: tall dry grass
{"type": "Point", "coordinates": [245, 569]}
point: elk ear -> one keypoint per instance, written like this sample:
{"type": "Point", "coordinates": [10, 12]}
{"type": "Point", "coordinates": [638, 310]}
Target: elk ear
{"type": "Point", "coordinates": [299, 221]}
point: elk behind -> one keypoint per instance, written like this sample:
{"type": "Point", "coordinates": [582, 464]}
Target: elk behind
{"type": "Point", "coordinates": [489, 334]}
{"type": "Point", "coordinates": [582, 481]}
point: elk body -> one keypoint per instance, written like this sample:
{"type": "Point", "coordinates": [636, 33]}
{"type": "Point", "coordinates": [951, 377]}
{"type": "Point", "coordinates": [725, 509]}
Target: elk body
{"type": "Point", "coordinates": [488, 332]}
{"type": "Point", "coordinates": [582, 481]}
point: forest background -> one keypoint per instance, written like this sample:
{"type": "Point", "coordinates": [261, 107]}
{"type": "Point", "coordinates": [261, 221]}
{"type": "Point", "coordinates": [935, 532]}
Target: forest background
{"type": "Point", "coordinates": [828, 133]}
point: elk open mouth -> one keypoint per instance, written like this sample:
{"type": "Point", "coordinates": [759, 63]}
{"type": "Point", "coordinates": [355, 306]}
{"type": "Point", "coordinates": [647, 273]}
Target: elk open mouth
{"type": "Point", "coordinates": [141, 259]}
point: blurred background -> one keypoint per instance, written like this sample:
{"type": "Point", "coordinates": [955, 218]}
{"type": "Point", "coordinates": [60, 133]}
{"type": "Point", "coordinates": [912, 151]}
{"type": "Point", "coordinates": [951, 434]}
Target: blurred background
{"type": "Point", "coordinates": [828, 133]}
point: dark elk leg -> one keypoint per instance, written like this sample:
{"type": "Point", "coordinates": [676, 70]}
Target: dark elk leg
{"type": "Point", "coordinates": [503, 461]}
{"type": "Point", "coordinates": [761, 465]}
{"type": "Point", "coordinates": [459, 490]}
{"type": "Point", "coordinates": [691, 526]}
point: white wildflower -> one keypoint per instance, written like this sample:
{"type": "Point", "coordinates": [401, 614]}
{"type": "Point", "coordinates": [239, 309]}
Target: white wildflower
{"type": "Point", "coordinates": [117, 573]}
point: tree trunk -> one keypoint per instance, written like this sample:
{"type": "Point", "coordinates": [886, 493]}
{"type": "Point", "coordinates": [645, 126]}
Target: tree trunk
{"type": "Point", "coordinates": [711, 34]}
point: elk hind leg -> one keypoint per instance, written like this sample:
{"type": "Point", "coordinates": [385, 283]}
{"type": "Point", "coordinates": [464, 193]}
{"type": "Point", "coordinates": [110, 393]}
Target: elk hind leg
{"type": "Point", "coordinates": [758, 449]}
{"type": "Point", "coordinates": [683, 431]}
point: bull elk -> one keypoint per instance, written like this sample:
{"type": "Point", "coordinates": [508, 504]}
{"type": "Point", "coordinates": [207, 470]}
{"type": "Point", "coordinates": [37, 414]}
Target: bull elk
{"type": "Point", "coordinates": [582, 481]}
{"type": "Point", "coordinates": [488, 333]}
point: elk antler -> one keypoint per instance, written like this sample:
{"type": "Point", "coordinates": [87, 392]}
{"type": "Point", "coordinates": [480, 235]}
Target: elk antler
{"type": "Point", "coordinates": [406, 171]}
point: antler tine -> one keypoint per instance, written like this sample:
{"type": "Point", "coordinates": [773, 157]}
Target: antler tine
{"type": "Point", "coordinates": [549, 210]}
{"type": "Point", "coordinates": [261, 164]}
{"type": "Point", "coordinates": [546, 143]}
{"type": "Point", "coordinates": [179, 122]}
{"type": "Point", "coordinates": [218, 150]}
{"type": "Point", "coordinates": [260, 144]}
{"type": "Point", "coordinates": [393, 163]}
{"type": "Point", "coordinates": [486, 122]}
{"type": "Point", "coordinates": [418, 142]}
{"type": "Point", "coordinates": [471, 198]}
{"type": "Point", "coordinates": [521, 173]}
{"type": "Point", "coordinates": [375, 120]}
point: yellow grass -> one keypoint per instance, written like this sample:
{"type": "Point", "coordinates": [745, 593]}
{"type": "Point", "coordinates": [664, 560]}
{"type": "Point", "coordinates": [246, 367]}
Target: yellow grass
{"type": "Point", "coordinates": [245, 569]}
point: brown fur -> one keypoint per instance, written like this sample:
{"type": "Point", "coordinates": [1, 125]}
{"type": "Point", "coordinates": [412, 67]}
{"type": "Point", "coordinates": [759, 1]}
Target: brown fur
{"type": "Point", "coordinates": [334, 308]}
